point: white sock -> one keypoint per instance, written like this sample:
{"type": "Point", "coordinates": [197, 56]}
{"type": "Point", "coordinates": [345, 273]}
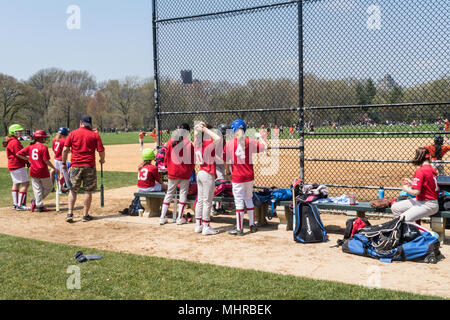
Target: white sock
{"type": "Point", "coordinates": [14, 196]}
{"type": "Point", "coordinates": [21, 199]}
{"type": "Point", "coordinates": [198, 222]}
{"type": "Point", "coordinates": [181, 206]}
{"type": "Point", "coordinates": [206, 223]}
{"type": "Point", "coordinates": [239, 219]}
{"type": "Point", "coordinates": [251, 216]}
{"type": "Point", "coordinates": [164, 209]}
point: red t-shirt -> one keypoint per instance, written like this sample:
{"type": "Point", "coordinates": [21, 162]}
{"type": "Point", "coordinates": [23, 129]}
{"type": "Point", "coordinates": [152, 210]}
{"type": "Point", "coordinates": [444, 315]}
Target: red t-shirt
{"type": "Point", "coordinates": [57, 147]}
{"type": "Point", "coordinates": [13, 147]}
{"type": "Point", "coordinates": [425, 181]}
{"type": "Point", "coordinates": [241, 159]}
{"type": "Point", "coordinates": [208, 151]}
{"type": "Point", "coordinates": [37, 155]}
{"type": "Point", "coordinates": [179, 161]}
{"type": "Point", "coordinates": [84, 141]}
{"type": "Point", "coordinates": [147, 176]}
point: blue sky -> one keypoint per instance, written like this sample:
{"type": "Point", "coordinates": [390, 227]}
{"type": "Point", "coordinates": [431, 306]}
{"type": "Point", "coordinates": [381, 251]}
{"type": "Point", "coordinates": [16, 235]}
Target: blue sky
{"type": "Point", "coordinates": [115, 40]}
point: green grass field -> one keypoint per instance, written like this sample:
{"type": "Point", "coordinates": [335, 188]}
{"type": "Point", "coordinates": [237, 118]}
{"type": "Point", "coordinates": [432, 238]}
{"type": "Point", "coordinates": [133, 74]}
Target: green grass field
{"type": "Point", "coordinates": [33, 269]}
{"type": "Point", "coordinates": [112, 180]}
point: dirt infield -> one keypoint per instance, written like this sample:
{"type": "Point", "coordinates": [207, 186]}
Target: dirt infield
{"type": "Point", "coordinates": [271, 249]}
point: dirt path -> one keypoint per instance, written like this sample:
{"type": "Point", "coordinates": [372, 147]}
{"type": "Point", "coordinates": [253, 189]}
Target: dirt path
{"type": "Point", "coordinates": [269, 249]}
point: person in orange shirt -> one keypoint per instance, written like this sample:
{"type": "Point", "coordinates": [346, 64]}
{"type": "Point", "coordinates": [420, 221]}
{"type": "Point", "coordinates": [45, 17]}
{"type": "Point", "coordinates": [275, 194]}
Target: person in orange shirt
{"type": "Point", "coordinates": [141, 139]}
{"type": "Point", "coordinates": [291, 131]}
{"type": "Point", "coordinates": [447, 127]}
{"type": "Point", "coordinates": [437, 151]}
{"type": "Point", "coordinates": [153, 134]}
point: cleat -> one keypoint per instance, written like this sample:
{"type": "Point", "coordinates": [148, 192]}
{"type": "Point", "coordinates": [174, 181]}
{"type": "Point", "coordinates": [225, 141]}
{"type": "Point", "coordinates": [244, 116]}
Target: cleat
{"type": "Point", "coordinates": [33, 205]}
{"type": "Point", "coordinates": [236, 232]}
{"type": "Point", "coordinates": [42, 209]}
{"type": "Point", "coordinates": [253, 228]}
{"type": "Point", "coordinates": [208, 231]}
{"type": "Point", "coordinates": [162, 221]}
{"type": "Point", "coordinates": [69, 217]}
{"type": "Point", "coordinates": [14, 207]}
{"type": "Point", "coordinates": [181, 221]}
{"type": "Point", "coordinates": [199, 229]}
{"type": "Point", "coordinates": [87, 218]}
{"type": "Point", "coordinates": [22, 208]}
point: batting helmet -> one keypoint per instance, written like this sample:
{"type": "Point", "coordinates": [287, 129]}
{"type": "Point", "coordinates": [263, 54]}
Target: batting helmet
{"type": "Point", "coordinates": [64, 131]}
{"type": "Point", "coordinates": [238, 124]}
{"type": "Point", "coordinates": [438, 140]}
{"type": "Point", "coordinates": [223, 128]}
{"type": "Point", "coordinates": [148, 154]}
{"type": "Point", "coordinates": [39, 134]}
{"type": "Point", "coordinates": [14, 128]}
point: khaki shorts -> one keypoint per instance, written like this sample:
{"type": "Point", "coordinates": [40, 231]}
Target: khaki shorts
{"type": "Point", "coordinates": [87, 175]}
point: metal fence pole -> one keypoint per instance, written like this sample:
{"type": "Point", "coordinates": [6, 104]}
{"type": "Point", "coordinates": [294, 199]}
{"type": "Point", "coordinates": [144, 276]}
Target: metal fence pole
{"type": "Point", "coordinates": [156, 74]}
{"type": "Point", "coordinates": [300, 91]}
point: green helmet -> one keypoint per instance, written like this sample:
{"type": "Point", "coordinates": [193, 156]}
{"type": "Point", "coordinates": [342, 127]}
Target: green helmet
{"type": "Point", "coordinates": [13, 128]}
{"type": "Point", "coordinates": [148, 155]}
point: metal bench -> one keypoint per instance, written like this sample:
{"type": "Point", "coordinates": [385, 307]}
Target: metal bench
{"type": "Point", "coordinates": [438, 221]}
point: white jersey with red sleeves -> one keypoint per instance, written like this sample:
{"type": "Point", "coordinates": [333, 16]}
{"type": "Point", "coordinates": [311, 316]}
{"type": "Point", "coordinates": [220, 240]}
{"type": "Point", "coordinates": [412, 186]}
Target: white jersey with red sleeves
{"type": "Point", "coordinates": [240, 157]}
{"type": "Point", "coordinates": [425, 181]}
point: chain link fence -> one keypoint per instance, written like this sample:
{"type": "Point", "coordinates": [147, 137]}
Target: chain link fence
{"type": "Point", "coordinates": [346, 89]}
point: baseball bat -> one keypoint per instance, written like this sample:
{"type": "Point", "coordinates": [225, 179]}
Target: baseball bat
{"type": "Point", "coordinates": [57, 192]}
{"type": "Point", "coordinates": [102, 189]}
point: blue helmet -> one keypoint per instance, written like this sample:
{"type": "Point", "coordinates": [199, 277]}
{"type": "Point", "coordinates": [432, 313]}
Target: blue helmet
{"type": "Point", "coordinates": [63, 131]}
{"type": "Point", "coordinates": [238, 124]}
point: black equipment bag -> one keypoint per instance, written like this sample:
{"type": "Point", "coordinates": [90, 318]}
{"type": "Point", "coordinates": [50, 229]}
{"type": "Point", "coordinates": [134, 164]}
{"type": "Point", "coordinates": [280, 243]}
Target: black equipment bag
{"type": "Point", "coordinates": [308, 227]}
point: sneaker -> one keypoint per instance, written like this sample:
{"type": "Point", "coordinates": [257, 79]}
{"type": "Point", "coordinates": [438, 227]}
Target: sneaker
{"type": "Point", "coordinates": [162, 221]}
{"type": "Point", "coordinates": [33, 205]}
{"type": "Point", "coordinates": [14, 207]}
{"type": "Point", "coordinates": [69, 217]}
{"type": "Point", "coordinates": [188, 217]}
{"type": "Point", "coordinates": [208, 231]}
{"type": "Point", "coordinates": [199, 229]}
{"type": "Point", "coordinates": [236, 232]}
{"type": "Point", "coordinates": [42, 209]}
{"type": "Point", "coordinates": [214, 212]}
{"type": "Point", "coordinates": [86, 218]}
{"type": "Point", "coordinates": [181, 221]}
{"type": "Point", "coordinates": [23, 208]}
{"type": "Point", "coordinates": [253, 228]}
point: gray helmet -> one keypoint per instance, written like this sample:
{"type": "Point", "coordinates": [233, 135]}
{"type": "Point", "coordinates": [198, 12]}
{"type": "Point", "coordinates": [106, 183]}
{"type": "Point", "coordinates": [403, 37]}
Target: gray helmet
{"type": "Point", "coordinates": [438, 140]}
{"type": "Point", "coordinates": [223, 128]}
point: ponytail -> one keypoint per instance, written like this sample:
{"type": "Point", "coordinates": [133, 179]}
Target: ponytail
{"type": "Point", "coordinates": [422, 155]}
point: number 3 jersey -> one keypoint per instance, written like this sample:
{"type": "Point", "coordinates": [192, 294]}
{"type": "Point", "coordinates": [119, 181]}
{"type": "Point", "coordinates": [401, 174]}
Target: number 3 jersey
{"type": "Point", "coordinates": [57, 147]}
{"type": "Point", "coordinates": [37, 156]}
{"type": "Point", "coordinates": [147, 176]}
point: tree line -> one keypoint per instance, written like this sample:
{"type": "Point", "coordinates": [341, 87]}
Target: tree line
{"type": "Point", "coordinates": [52, 98]}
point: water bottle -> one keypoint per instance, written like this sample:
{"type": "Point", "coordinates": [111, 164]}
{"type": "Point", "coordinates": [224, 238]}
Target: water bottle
{"type": "Point", "coordinates": [352, 197]}
{"type": "Point", "coordinates": [381, 193]}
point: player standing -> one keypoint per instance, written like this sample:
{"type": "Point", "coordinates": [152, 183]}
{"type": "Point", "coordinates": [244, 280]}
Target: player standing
{"type": "Point", "coordinates": [205, 143]}
{"type": "Point", "coordinates": [57, 147]}
{"type": "Point", "coordinates": [239, 153]}
{"type": "Point", "coordinates": [179, 161]}
{"type": "Point", "coordinates": [37, 154]}
{"type": "Point", "coordinates": [141, 140]}
{"type": "Point", "coordinates": [16, 167]}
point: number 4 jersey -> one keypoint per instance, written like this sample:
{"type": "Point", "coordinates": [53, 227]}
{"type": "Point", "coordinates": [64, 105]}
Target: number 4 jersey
{"type": "Point", "coordinates": [37, 155]}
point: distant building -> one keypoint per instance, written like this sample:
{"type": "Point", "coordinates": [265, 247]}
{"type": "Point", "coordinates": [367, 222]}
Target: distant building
{"type": "Point", "coordinates": [387, 83]}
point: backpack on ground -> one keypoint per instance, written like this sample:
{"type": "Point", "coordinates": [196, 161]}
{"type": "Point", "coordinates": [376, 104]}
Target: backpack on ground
{"type": "Point", "coordinates": [395, 240]}
{"type": "Point", "coordinates": [223, 188]}
{"type": "Point", "coordinates": [135, 206]}
{"type": "Point", "coordinates": [308, 227]}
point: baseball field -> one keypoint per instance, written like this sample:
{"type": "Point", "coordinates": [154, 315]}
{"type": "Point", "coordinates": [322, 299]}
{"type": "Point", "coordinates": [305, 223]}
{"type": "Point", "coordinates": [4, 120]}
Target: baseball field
{"type": "Point", "coordinates": [142, 260]}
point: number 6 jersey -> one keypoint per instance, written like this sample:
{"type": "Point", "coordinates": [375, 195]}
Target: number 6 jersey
{"type": "Point", "coordinates": [37, 156]}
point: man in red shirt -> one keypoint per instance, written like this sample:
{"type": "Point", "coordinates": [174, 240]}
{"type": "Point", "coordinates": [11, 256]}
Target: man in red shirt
{"type": "Point", "coordinates": [39, 158]}
{"type": "Point", "coordinates": [83, 143]}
